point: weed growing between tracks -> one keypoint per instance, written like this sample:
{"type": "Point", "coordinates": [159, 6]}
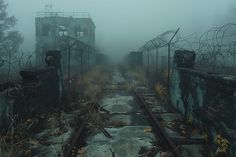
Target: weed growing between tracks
{"type": "Point", "coordinates": [161, 92]}
{"type": "Point", "coordinates": [92, 88]}
{"type": "Point", "coordinates": [89, 89]}
{"type": "Point", "coordinates": [94, 81]}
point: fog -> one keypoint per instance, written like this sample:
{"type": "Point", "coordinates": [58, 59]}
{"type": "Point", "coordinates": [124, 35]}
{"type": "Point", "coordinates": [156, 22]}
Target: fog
{"type": "Point", "coordinates": [125, 25]}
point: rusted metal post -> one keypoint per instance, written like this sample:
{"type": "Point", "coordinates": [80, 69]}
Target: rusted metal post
{"type": "Point", "coordinates": [168, 77]}
{"type": "Point", "coordinates": [88, 60]}
{"type": "Point", "coordinates": [157, 64]}
{"type": "Point", "coordinates": [148, 55]}
{"type": "Point", "coordinates": [81, 62]}
{"type": "Point", "coordinates": [69, 51]}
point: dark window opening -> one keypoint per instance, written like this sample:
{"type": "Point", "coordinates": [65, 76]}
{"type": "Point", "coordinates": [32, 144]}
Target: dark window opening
{"type": "Point", "coordinates": [45, 30]}
{"type": "Point", "coordinates": [79, 32]}
{"type": "Point", "coordinates": [63, 31]}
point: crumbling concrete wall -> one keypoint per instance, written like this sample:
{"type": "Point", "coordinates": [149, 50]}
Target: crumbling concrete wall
{"type": "Point", "coordinates": [40, 91]}
{"type": "Point", "coordinates": [42, 88]}
{"type": "Point", "coordinates": [4, 108]}
{"type": "Point", "coordinates": [207, 99]}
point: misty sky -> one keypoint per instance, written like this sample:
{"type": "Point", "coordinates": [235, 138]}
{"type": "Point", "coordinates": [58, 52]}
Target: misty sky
{"type": "Point", "coordinates": [125, 25]}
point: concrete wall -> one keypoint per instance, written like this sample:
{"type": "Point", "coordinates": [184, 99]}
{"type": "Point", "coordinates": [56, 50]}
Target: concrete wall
{"type": "Point", "coordinates": [4, 109]}
{"type": "Point", "coordinates": [39, 91]}
{"type": "Point", "coordinates": [208, 99]}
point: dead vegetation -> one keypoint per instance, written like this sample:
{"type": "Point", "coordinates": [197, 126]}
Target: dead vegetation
{"type": "Point", "coordinates": [161, 92]}
{"type": "Point", "coordinates": [16, 141]}
{"type": "Point", "coordinates": [94, 81]}
{"type": "Point", "coordinates": [46, 132]}
{"type": "Point", "coordinates": [95, 123]}
{"type": "Point", "coordinates": [94, 120]}
{"type": "Point", "coordinates": [34, 135]}
{"type": "Point", "coordinates": [135, 76]}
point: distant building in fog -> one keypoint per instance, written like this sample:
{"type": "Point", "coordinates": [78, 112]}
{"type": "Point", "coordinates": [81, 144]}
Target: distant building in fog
{"type": "Point", "coordinates": [52, 27]}
{"type": "Point", "coordinates": [135, 59]}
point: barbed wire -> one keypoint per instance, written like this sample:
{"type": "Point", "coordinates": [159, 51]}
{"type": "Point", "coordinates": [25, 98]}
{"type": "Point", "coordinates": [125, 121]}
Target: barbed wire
{"type": "Point", "coordinates": [159, 41]}
{"type": "Point", "coordinates": [216, 47]}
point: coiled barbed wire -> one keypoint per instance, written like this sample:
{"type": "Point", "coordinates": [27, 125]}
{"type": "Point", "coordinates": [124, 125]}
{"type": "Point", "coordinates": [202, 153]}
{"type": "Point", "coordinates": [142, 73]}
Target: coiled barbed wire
{"type": "Point", "coordinates": [218, 46]}
{"type": "Point", "coordinates": [215, 48]}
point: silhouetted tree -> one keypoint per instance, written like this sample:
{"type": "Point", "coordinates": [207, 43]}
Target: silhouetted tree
{"type": "Point", "coordinates": [10, 39]}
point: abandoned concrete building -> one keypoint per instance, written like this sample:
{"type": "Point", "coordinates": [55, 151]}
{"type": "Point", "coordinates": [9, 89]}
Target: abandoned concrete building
{"type": "Point", "coordinates": [72, 34]}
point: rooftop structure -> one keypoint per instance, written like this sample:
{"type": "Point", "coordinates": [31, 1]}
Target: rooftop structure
{"type": "Point", "coordinates": [60, 30]}
{"type": "Point", "coordinates": [63, 14]}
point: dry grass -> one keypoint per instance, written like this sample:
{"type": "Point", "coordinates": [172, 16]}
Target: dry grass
{"type": "Point", "coordinates": [17, 149]}
{"type": "Point", "coordinates": [5, 149]}
{"type": "Point", "coordinates": [94, 120]}
{"type": "Point", "coordinates": [94, 81]}
{"type": "Point", "coordinates": [161, 92]}
{"type": "Point", "coordinates": [140, 76]}
{"type": "Point", "coordinates": [137, 76]}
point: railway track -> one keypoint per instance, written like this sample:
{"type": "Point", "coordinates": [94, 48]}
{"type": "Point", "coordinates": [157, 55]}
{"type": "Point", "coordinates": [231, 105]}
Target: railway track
{"type": "Point", "coordinates": [127, 124]}
{"type": "Point", "coordinates": [70, 145]}
{"type": "Point", "coordinates": [159, 131]}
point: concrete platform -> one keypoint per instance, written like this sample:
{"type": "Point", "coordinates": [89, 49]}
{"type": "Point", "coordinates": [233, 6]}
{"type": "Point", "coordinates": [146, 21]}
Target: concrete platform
{"type": "Point", "coordinates": [125, 142]}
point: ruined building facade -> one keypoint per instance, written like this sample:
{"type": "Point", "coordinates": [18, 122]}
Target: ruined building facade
{"type": "Point", "coordinates": [74, 34]}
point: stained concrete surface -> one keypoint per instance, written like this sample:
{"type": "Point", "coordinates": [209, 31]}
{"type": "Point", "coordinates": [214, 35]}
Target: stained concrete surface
{"type": "Point", "coordinates": [192, 150]}
{"type": "Point", "coordinates": [170, 116]}
{"type": "Point", "coordinates": [127, 140]}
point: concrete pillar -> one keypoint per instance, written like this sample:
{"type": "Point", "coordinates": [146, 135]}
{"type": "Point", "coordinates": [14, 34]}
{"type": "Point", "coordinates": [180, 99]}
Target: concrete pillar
{"type": "Point", "coordinates": [184, 58]}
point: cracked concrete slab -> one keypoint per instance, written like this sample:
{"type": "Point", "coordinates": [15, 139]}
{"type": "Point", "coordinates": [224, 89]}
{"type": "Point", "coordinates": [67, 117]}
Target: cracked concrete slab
{"type": "Point", "coordinates": [125, 142]}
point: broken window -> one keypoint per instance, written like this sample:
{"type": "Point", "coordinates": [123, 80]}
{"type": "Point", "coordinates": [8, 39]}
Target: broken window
{"type": "Point", "coordinates": [45, 30]}
{"type": "Point", "coordinates": [62, 31]}
{"type": "Point", "coordinates": [80, 34]}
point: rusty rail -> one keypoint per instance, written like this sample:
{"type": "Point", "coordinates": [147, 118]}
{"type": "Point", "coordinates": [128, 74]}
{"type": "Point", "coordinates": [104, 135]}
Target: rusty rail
{"type": "Point", "coordinates": [157, 126]}
{"type": "Point", "coordinates": [77, 134]}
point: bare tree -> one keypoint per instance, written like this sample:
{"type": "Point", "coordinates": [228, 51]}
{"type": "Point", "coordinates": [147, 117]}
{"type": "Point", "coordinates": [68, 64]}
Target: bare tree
{"type": "Point", "coordinates": [10, 39]}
